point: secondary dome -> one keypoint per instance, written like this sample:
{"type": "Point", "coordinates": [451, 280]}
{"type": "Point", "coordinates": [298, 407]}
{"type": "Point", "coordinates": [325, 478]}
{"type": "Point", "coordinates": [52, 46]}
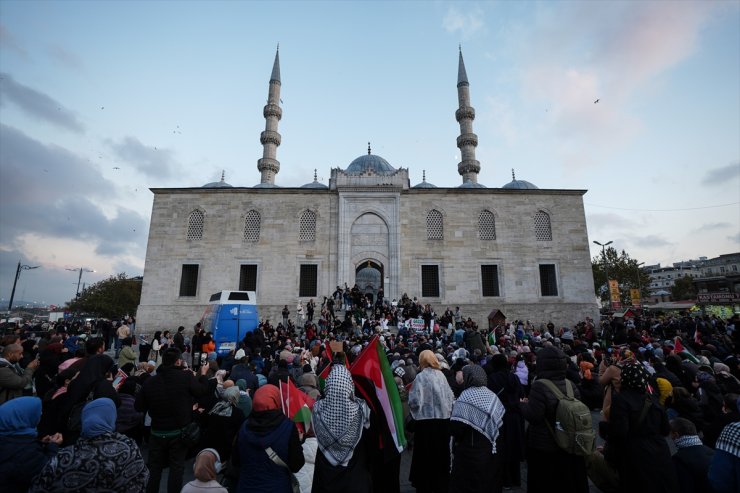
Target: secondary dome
{"type": "Point", "coordinates": [515, 184]}
{"type": "Point", "coordinates": [315, 184]}
{"type": "Point", "coordinates": [370, 163]}
{"type": "Point", "coordinates": [218, 184]}
{"type": "Point", "coordinates": [520, 185]}
{"type": "Point", "coordinates": [424, 183]}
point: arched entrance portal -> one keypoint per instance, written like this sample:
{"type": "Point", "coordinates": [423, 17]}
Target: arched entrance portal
{"type": "Point", "coordinates": [369, 278]}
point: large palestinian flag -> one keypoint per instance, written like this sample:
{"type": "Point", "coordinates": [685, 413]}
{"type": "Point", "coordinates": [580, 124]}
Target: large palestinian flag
{"type": "Point", "coordinates": [296, 405]}
{"type": "Point", "coordinates": [374, 382]}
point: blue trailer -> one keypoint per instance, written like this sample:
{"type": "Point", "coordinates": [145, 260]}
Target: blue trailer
{"type": "Point", "coordinates": [229, 316]}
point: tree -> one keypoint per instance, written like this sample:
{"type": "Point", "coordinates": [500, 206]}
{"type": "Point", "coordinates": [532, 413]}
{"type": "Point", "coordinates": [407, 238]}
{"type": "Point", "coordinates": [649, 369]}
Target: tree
{"type": "Point", "coordinates": [111, 298]}
{"type": "Point", "coordinates": [622, 268]}
{"type": "Point", "coordinates": [683, 289]}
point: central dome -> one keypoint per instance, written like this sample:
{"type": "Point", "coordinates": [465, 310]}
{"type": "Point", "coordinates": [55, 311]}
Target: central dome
{"type": "Point", "coordinates": [370, 163]}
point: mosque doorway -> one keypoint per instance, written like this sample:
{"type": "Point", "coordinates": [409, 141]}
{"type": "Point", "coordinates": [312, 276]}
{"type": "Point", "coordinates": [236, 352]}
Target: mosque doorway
{"type": "Point", "coordinates": [369, 278]}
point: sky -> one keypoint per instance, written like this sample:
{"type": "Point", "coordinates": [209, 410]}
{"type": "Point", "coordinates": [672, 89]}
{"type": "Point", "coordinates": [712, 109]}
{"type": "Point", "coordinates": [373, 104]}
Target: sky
{"type": "Point", "coordinates": [100, 101]}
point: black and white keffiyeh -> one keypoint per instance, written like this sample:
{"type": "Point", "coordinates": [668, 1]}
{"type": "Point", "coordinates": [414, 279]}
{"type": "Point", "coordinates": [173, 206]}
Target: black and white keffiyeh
{"type": "Point", "coordinates": [339, 418]}
{"type": "Point", "coordinates": [729, 439]}
{"type": "Point", "coordinates": [477, 406]}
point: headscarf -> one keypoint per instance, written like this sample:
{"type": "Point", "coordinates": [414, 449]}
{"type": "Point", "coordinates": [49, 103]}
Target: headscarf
{"type": "Point", "coordinates": [267, 398]}
{"type": "Point", "coordinates": [205, 465]}
{"type": "Point", "coordinates": [635, 377]}
{"type": "Point", "coordinates": [339, 418]}
{"type": "Point", "coordinates": [729, 439]}
{"type": "Point", "coordinates": [229, 400]}
{"type": "Point", "coordinates": [477, 406]}
{"type": "Point", "coordinates": [427, 359]}
{"type": "Point", "coordinates": [98, 418]}
{"type": "Point", "coordinates": [431, 396]}
{"type": "Point", "coordinates": [20, 416]}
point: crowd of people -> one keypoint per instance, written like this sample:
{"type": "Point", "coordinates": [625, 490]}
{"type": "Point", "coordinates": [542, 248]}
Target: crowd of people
{"type": "Point", "coordinates": [477, 402]}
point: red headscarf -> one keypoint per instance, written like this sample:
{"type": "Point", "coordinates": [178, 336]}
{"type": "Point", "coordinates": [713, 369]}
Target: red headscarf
{"type": "Point", "coordinates": [266, 398]}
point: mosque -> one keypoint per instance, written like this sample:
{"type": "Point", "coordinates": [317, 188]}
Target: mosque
{"type": "Point", "coordinates": [518, 248]}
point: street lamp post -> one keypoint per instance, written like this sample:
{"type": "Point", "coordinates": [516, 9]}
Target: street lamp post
{"type": "Point", "coordinates": [79, 278]}
{"type": "Point", "coordinates": [603, 255]}
{"type": "Point", "coordinates": [639, 280]}
{"type": "Point", "coordinates": [17, 275]}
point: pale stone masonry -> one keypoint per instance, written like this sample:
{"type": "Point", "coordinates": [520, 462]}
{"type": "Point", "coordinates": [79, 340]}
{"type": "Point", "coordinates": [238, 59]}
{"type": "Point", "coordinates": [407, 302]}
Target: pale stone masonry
{"type": "Point", "coordinates": [517, 248]}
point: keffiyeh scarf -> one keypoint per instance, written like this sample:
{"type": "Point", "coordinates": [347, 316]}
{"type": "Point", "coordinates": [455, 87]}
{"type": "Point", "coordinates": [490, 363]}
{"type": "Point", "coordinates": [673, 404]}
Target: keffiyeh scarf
{"type": "Point", "coordinates": [478, 407]}
{"type": "Point", "coordinates": [729, 439]}
{"type": "Point", "coordinates": [339, 418]}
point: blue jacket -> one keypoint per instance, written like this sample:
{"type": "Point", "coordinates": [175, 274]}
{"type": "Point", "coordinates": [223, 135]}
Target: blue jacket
{"type": "Point", "coordinates": [724, 472]}
{"type": "Point", "coordinates": [257, 472]}
{"type": "Point", "coordinates": [21, 458]}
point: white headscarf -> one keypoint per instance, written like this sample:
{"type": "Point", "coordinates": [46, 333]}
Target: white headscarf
{"type": "Point", "coordinates": [431, 396]}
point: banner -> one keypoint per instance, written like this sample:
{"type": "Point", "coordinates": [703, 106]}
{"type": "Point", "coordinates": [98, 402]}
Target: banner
{"type": "Point", "coordinates": [635, 296]}
{"type": "Point", "coordinates": [614, 296]}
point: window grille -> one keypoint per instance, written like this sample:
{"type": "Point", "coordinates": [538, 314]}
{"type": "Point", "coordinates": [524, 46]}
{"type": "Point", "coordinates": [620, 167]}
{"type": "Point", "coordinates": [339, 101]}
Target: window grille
{"type": "Point", "coordinates": [434, 225]}
{"type": "Point", "coordinates": [548, 280]}
{"type": "Point", "coordinates": [308, 280]}
{"type": "Point", "coordinates": [489, 280]}
{"type": "Point", "coordinates": [307, 230]}
{"type": "Point", "coordinates": [252, 226]}
{"type": "Point", "coordinates": [248, 277]}
{"type": "Point", "coordinates": [195, 225]}
{"type": "Point", "coordinates": [486, 226]}
{"type": "Point", "coordinates": [430, 281]}
{"type": "Point", "coordinates": [189, 280]}
{"type": "Point", "coordinates": [542, 230]}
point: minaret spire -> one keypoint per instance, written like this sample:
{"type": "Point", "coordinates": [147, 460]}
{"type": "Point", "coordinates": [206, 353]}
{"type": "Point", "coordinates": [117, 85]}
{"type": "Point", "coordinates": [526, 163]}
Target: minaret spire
{"type": "Point", "coordinates": [468, 167]}
{"type": "Point", "coordinates": [268, 165]}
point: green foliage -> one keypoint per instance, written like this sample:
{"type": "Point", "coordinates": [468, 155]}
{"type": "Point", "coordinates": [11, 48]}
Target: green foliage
{"type": "Point", "coordinates": [622, 268]}
{"type": "Point", "coordinates": [111, 298]}
{"type": "Point", "coordinates": [683, 289]}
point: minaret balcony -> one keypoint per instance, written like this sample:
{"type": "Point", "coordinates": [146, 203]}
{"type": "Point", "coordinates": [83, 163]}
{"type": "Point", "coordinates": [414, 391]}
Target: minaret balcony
{"type": "Point", "coordinates": [272, 109]}
{"type": "Point", "coordinates": [270, 137]}
{"type": "Point", "coordinates": [268, 164]}
{"type": "Point", "coordinates": [465, 113]}
{"type": "Point", "coordinates": [468, 166]}
{"type": "Point", "coordinates": [467, 140]}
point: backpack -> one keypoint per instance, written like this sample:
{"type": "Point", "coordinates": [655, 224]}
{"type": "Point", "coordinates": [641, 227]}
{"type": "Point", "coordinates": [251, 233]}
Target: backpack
{"type": "Point", "coordinates": [573, 430]}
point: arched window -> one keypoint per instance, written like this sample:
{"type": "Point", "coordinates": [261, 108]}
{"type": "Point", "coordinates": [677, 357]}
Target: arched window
{"type": "Point", "coordinates": [307, 231]}
{"type": "Point", "coordinates": [542, 230]}
{"type": "Point", "coordinates": [195, 225]}
{"type": "Point", "coordinates": [252, 226]}
{"type": "Point", "coordinates": [434, 225]}
{"type": "Point", "coordinates": [486, 226]}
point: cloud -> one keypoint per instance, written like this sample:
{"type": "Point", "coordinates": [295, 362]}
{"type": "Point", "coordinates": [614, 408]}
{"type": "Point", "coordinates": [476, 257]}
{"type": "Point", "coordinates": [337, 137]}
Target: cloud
{"type": "Point", "coordinates": [712, 227]}
{"type": "Point", "coordinates": [36, 199]}
{"type": "Point", "coordinates": [65, 58]}
{"type": "Point", "coordinates": [735, 238]}
{"type": "Point", "coordinates": [716, 176]}
{"type": "Point", "coordinates": [466, 23]}
{"type": "Point", "coordinates": [608, 219]}
{"type": "Point", "coordinates": [650, 241]}
{"type": "Point", "coordinates": [8, 42]}
{"type": "Point", "coordinates": [38, 104]}
{"type": "Point", "coordinates": [151, 161]}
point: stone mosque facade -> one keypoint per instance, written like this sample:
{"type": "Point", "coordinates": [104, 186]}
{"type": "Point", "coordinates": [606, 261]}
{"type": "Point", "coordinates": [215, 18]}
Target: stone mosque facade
{"type": "Point", "coordinates": [517, 248]}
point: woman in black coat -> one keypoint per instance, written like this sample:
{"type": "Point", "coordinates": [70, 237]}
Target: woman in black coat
{"type": "Point", "coordinates": [636, 443]}
{"type": "Point", "coordinates": [503, 383]}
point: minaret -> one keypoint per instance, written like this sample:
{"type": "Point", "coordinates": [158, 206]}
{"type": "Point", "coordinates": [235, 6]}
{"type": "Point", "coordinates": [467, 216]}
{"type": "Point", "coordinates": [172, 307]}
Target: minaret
{"type": "Point", "coordinates": [269, 166]}
{"type": "Point", "coordinates": [468, 167]}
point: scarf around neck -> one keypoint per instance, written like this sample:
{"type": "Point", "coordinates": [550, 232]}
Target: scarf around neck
{"type": "Point", "coordinates": [480, 409]}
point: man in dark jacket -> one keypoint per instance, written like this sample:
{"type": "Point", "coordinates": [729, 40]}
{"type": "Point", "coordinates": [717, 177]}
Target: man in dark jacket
{"type": "Point", "coordinates": [179, 339]}
{"type": "Point", "coordinates": [169, 397]}
{"type": "Point", "coordinates": [692, 459]}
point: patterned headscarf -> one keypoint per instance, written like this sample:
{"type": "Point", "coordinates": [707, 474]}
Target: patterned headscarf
{"type": "Point", "coordinates": [339, 418]}
{"type": "Point", "coordinates": [229, 400]}
{"type": "Point", "coordinates": [635, 376]}
{"type": "Point", "coordinates": [729, 439]}
{"type": "Point", "coordinates": [477, 406]}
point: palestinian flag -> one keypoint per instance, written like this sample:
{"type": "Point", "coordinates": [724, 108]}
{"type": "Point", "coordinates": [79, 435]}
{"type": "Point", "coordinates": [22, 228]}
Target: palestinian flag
{"type": "Point", "coordinates": [296, 405]}
{"type": "Point", "coordinates": [327, 369]}
{"type": "Point", "coordinates": [374, 382]}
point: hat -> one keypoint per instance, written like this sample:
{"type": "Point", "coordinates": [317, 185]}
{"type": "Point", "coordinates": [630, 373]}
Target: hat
{"type": "Point", "coordinates": [596, 344]}
{"type": "Point", "coordinates": [526, 349]}
{"type": "Point", "coordinates": [240, 354]}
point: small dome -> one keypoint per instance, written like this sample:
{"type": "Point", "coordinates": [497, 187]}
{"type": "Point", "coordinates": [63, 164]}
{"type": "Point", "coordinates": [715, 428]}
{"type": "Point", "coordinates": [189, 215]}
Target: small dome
{"type": "Point", "coordinates": [515, 184]}
{"type": "Point", "coordinates": [520, 185]}
{"type": "Point", "coordinates": [470, 184]}
{"type": "Point", "coordinates": [265, 185]}
{"type": "Point", "coordinates": [370, 163]}
{"type": "Point", "coordinates": [424, 183]}
{"type": "Point", "coordinates": [315, 184]}
{"type": "Point", "coordinates": [218, 184]}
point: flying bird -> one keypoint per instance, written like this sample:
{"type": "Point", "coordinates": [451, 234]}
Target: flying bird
{"type": "Point", "coordinates": [102, 107]}
{"type": "Point", "coordinates": [597, 101]}
{"type": "Point", "coordinates": [116, 167]}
